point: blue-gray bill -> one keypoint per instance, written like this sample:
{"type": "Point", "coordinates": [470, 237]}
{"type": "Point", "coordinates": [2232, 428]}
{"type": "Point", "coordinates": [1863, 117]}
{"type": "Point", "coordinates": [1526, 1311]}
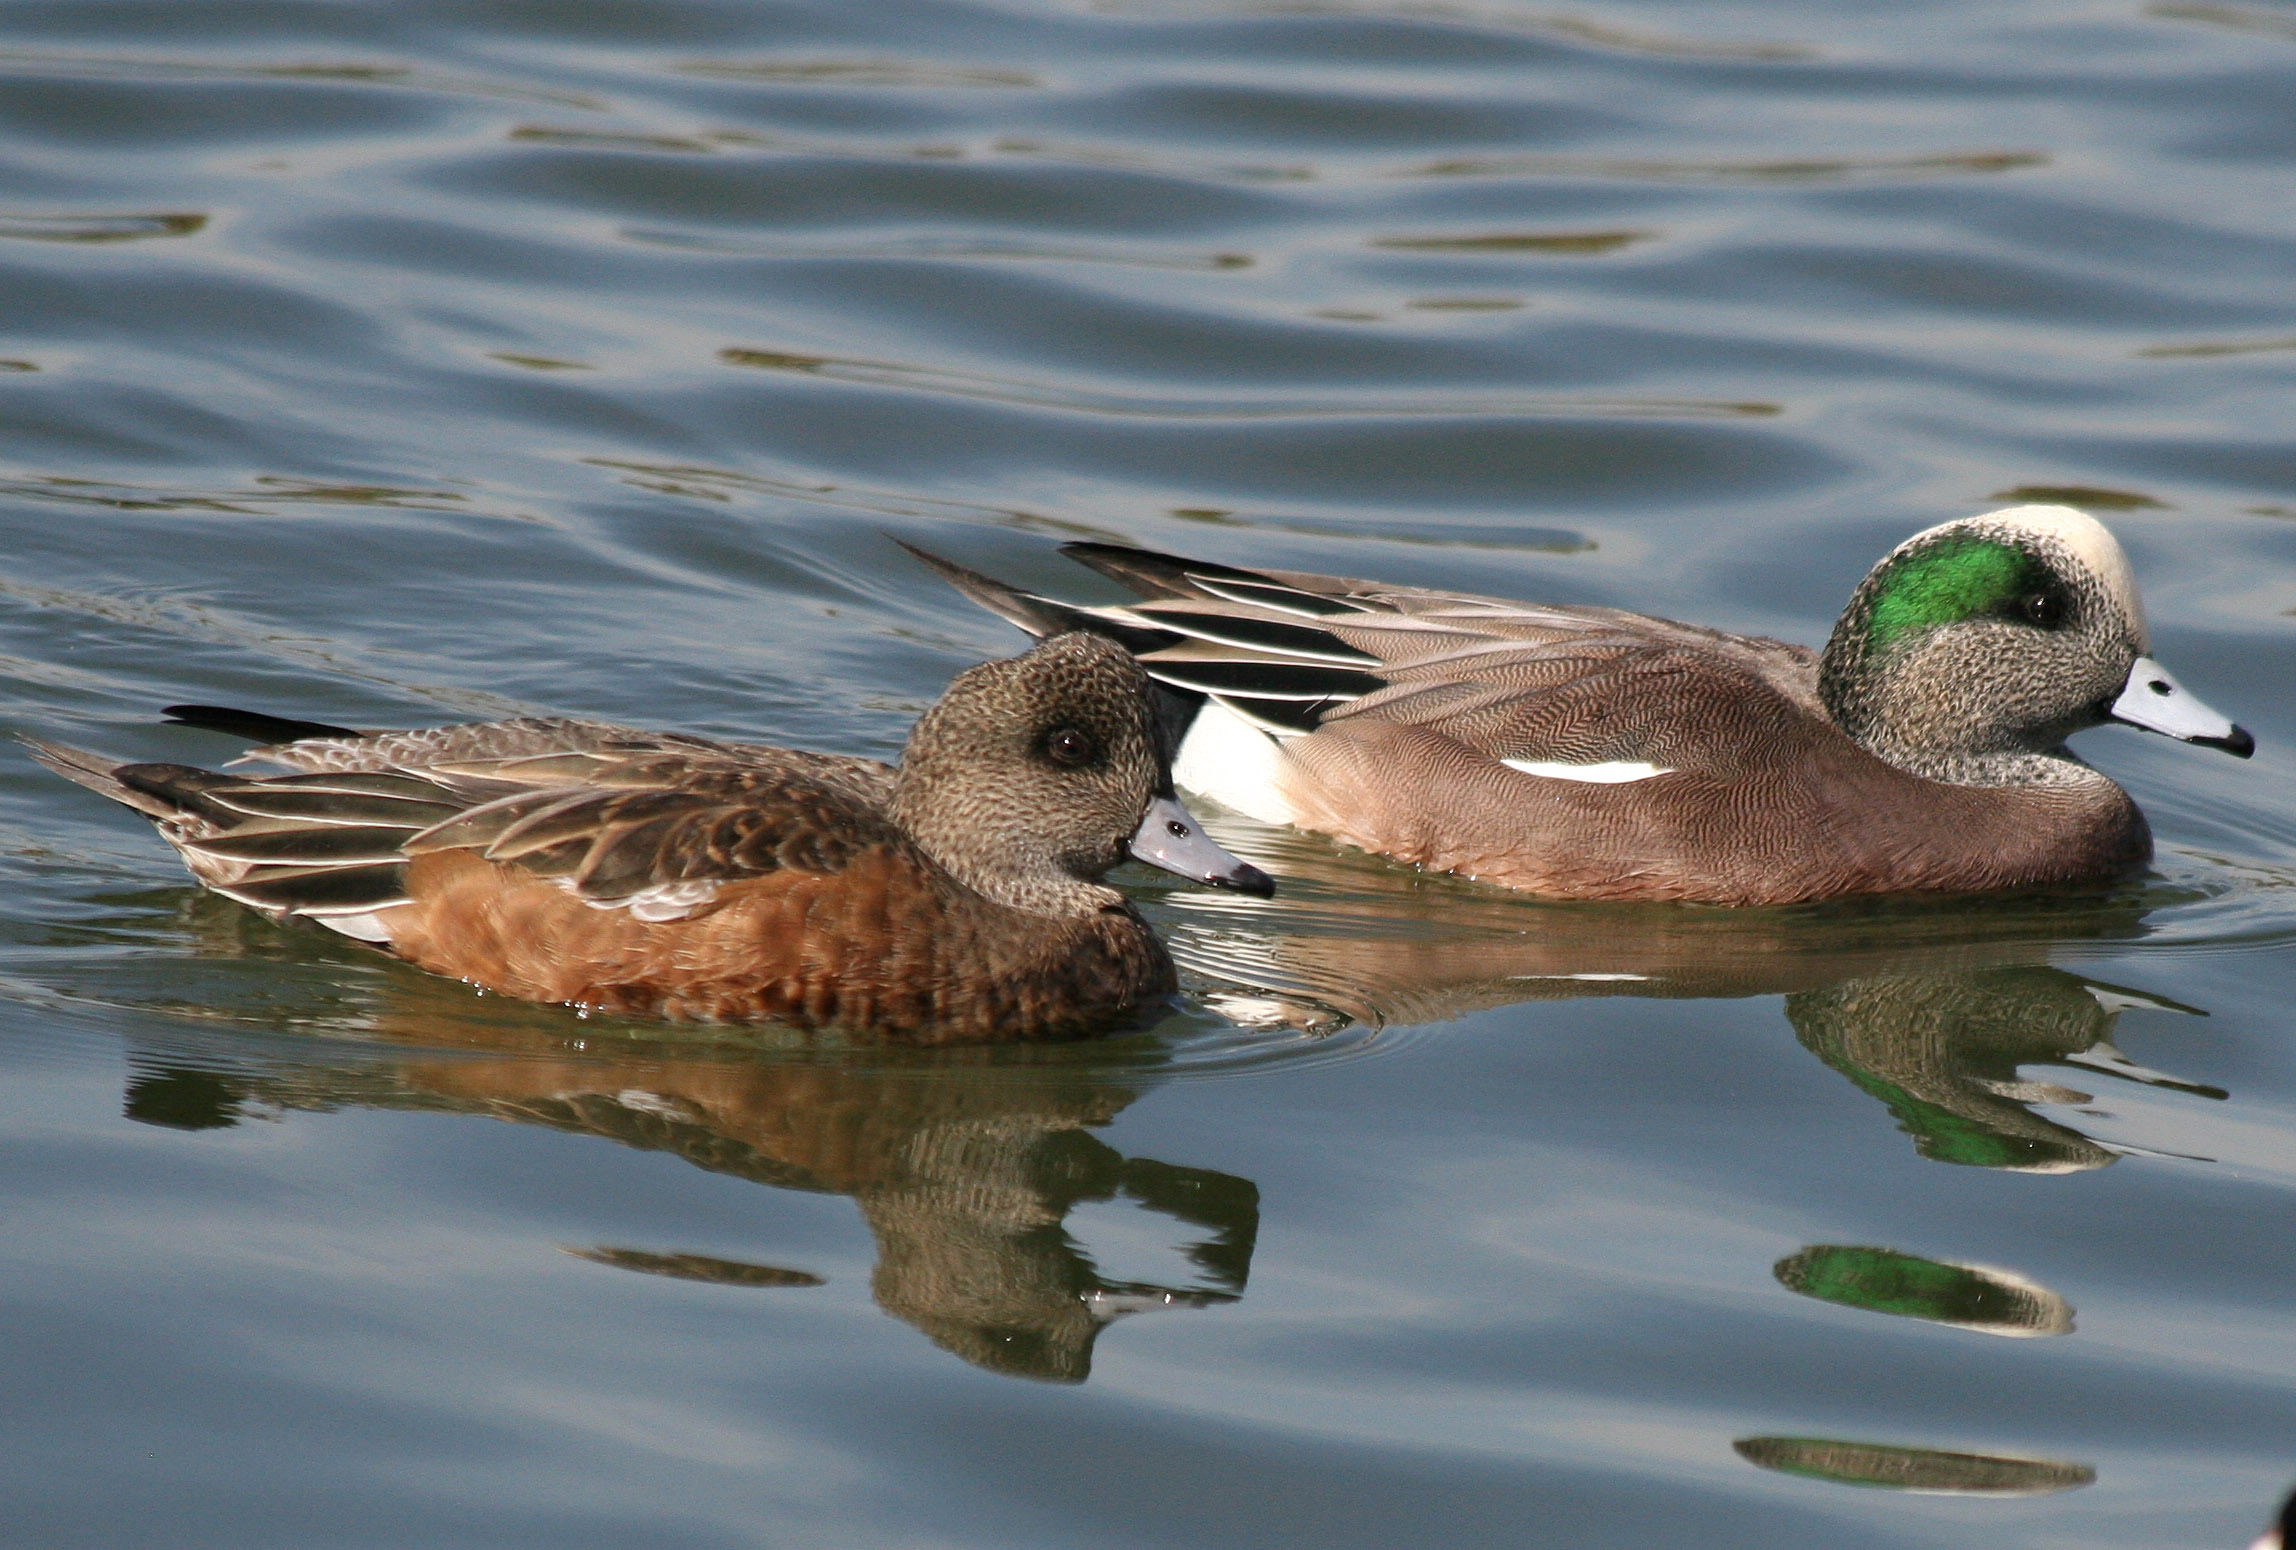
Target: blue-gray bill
{"type": "Point", "coordinates": [2154, 700]}
{"type": "Point", "coordinates": [1170, 838]}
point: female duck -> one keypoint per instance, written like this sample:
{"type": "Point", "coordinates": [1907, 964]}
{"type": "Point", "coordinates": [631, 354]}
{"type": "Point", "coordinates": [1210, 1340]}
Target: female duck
{"type": "Point", "coordinates": [957, 896]}
{"type": "Point", "coordinates": [1591, 753]}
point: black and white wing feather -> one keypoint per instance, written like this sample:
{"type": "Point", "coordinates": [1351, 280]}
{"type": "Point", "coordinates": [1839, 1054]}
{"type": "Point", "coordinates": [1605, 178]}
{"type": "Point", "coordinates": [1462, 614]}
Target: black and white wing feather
{"type": "Point", "coordinates": [1291, 651]}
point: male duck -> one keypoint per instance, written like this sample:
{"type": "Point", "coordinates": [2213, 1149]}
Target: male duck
{"type": "Point", "coordinates": [957, 896]}
{"type": "Point", "coordinates": [2282, 1534]}
{"type": "Point", "coordinates": [1590, 753]}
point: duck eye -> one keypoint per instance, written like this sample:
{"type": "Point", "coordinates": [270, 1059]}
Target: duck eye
{"type": "Point", "coordinates": [1069, 748]}
{"type": "Point", "coordinates": [2045, 610]}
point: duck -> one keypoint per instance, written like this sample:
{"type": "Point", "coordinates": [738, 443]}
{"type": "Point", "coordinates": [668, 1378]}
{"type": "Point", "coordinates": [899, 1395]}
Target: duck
{"type": "Point", "coordinates": [1598, 754]}
{"type": "Point", "coordinates": [2282, 1534]}
{"type": "Point", "coordinates": [957, 896]}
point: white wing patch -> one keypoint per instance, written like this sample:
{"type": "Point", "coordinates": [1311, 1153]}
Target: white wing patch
{"type": "Point", "coordinates": [672, 901]}
{"type": "Point", "coordinates": [663, 901]}
{"type": "Point", "coordinates": [1613, 772]}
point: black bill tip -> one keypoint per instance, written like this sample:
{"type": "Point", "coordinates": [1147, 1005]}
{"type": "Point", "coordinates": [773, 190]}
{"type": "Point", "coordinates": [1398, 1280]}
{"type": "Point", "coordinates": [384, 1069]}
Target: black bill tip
{"type": "Point", "coordinates": [2239, 743]}
{"type": "Point", "coordinates": [1246, 878]}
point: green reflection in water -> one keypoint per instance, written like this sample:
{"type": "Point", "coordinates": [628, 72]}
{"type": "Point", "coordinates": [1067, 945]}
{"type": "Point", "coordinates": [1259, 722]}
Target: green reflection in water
{"type": "Point", "coordinates": [966, 1166]}
{"type": "Point", "coordinates": [1931, 1006]}
{"type": "Point", "coordinates": [1942, 1052]}
{"type": "Point", "coordinates": [1926, 1470]}
{"type": "Point", "coordinates": [1977, 1297]}
{"type": "Point", "coordinates": [181, 1098]}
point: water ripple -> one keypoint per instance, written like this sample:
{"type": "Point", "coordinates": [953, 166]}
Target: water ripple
{"type": "Point", "coordinates": [584, 358]}
{"type": "Point", "coordinates": [383, 73]}
{"type": "Point", "coordinates": [1482, 18]}
{"type": "Point", "coordinates": [720, 484]}
{"type": "Point", "coordinates": [1794, 170]}
{"type": "Point", "coordinates": [923, 75]}
{"type": "Point", "coordinates": [1044, 395]}
{"type": "Point", "coordinates": [97, 228]}
{"type": "Point", "coordinates": [1569, 244]}
{"type": "Point", "coordinates": [944, 248]}
{"type": "Point", "coordinates": [264, 494]}
{"type": "Point", "coordinates": [2238, 18]}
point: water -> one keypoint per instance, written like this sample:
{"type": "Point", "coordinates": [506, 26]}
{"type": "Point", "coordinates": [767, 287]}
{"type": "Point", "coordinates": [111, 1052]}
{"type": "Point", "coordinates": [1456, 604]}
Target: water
{"type": "Point", "coordinates": [393, 363]}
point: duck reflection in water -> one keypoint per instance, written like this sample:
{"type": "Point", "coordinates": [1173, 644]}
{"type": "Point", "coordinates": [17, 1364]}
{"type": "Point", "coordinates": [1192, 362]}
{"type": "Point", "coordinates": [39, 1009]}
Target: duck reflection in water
{"type": "Point", "coordinates": [1942, 1052]}
{"type": "Point", "coordinates": [1930, 1006]}
{"type": "Point", "coordinates": [965, 1164]}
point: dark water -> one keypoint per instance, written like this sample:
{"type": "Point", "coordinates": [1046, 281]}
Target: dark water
{"type": "Point", "coordinates": [399, 362]}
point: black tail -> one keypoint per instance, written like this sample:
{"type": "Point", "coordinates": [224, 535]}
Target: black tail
{"type": "Point", "coordinates": [1040, 616]}
{"type": "Point", "coordinates": [252, 724]}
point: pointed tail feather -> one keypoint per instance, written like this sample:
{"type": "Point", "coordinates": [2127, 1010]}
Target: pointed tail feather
{"type": "Point", "coordinates": [93, 771]}
{"type": "Point", "coordinates": [1039, 616]}
{"type": "Point", "coordinates": [252, 724]}
{"type": "Point", "coordinates": [158, 791]}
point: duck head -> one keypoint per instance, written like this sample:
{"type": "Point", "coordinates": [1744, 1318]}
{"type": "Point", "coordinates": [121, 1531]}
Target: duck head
{"type": "Point", "coordinates": [1974, 649]}
{"type": "Point", "coordinates": [1033, 776]}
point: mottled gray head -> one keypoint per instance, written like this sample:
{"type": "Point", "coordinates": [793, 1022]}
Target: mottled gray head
{"type": "Point", "coordinates": [1035, 775]}
{"type": "Point", "coordinates": [1979, 646]}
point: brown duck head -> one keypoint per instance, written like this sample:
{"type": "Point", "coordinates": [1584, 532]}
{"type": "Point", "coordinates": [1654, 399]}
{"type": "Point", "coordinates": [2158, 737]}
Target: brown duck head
{"type": "Point", "coordinates": [1035, 775]}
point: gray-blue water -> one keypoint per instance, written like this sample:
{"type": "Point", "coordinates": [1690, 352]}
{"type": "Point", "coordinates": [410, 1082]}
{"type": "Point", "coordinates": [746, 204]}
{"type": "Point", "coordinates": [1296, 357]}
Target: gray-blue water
{"type": "Point", "coordinates": [416, 360]}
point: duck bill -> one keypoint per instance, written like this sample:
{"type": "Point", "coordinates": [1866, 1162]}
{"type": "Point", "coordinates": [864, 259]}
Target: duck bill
{"type": "Point", "coordinates": [1169, 837]}
{"type": "Point", "coordinates": [2154, 700]}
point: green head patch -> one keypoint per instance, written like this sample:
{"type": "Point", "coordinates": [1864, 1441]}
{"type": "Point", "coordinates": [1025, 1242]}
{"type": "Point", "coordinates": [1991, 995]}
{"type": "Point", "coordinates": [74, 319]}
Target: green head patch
{"type": "Point", "coordinates": [1957, 578]}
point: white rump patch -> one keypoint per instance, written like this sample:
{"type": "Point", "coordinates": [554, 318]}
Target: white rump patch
{"type": "Point", "coordinates": [1621, 978]}
{"type": "Point", "coordinates": [1234, 762]}
{"type": "Point", "coordinates": [1614, 772]}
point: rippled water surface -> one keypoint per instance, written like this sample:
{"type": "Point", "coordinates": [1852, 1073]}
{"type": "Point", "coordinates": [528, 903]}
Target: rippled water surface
{"type": "Point", "coordinates": [390, 363]}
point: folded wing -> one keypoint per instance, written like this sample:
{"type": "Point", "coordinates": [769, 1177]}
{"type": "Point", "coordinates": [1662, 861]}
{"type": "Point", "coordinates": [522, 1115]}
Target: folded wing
{"type": "Point", "coordinates": [1552, 688]}
{"type": "Point", "coordinates": [653, 824]}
